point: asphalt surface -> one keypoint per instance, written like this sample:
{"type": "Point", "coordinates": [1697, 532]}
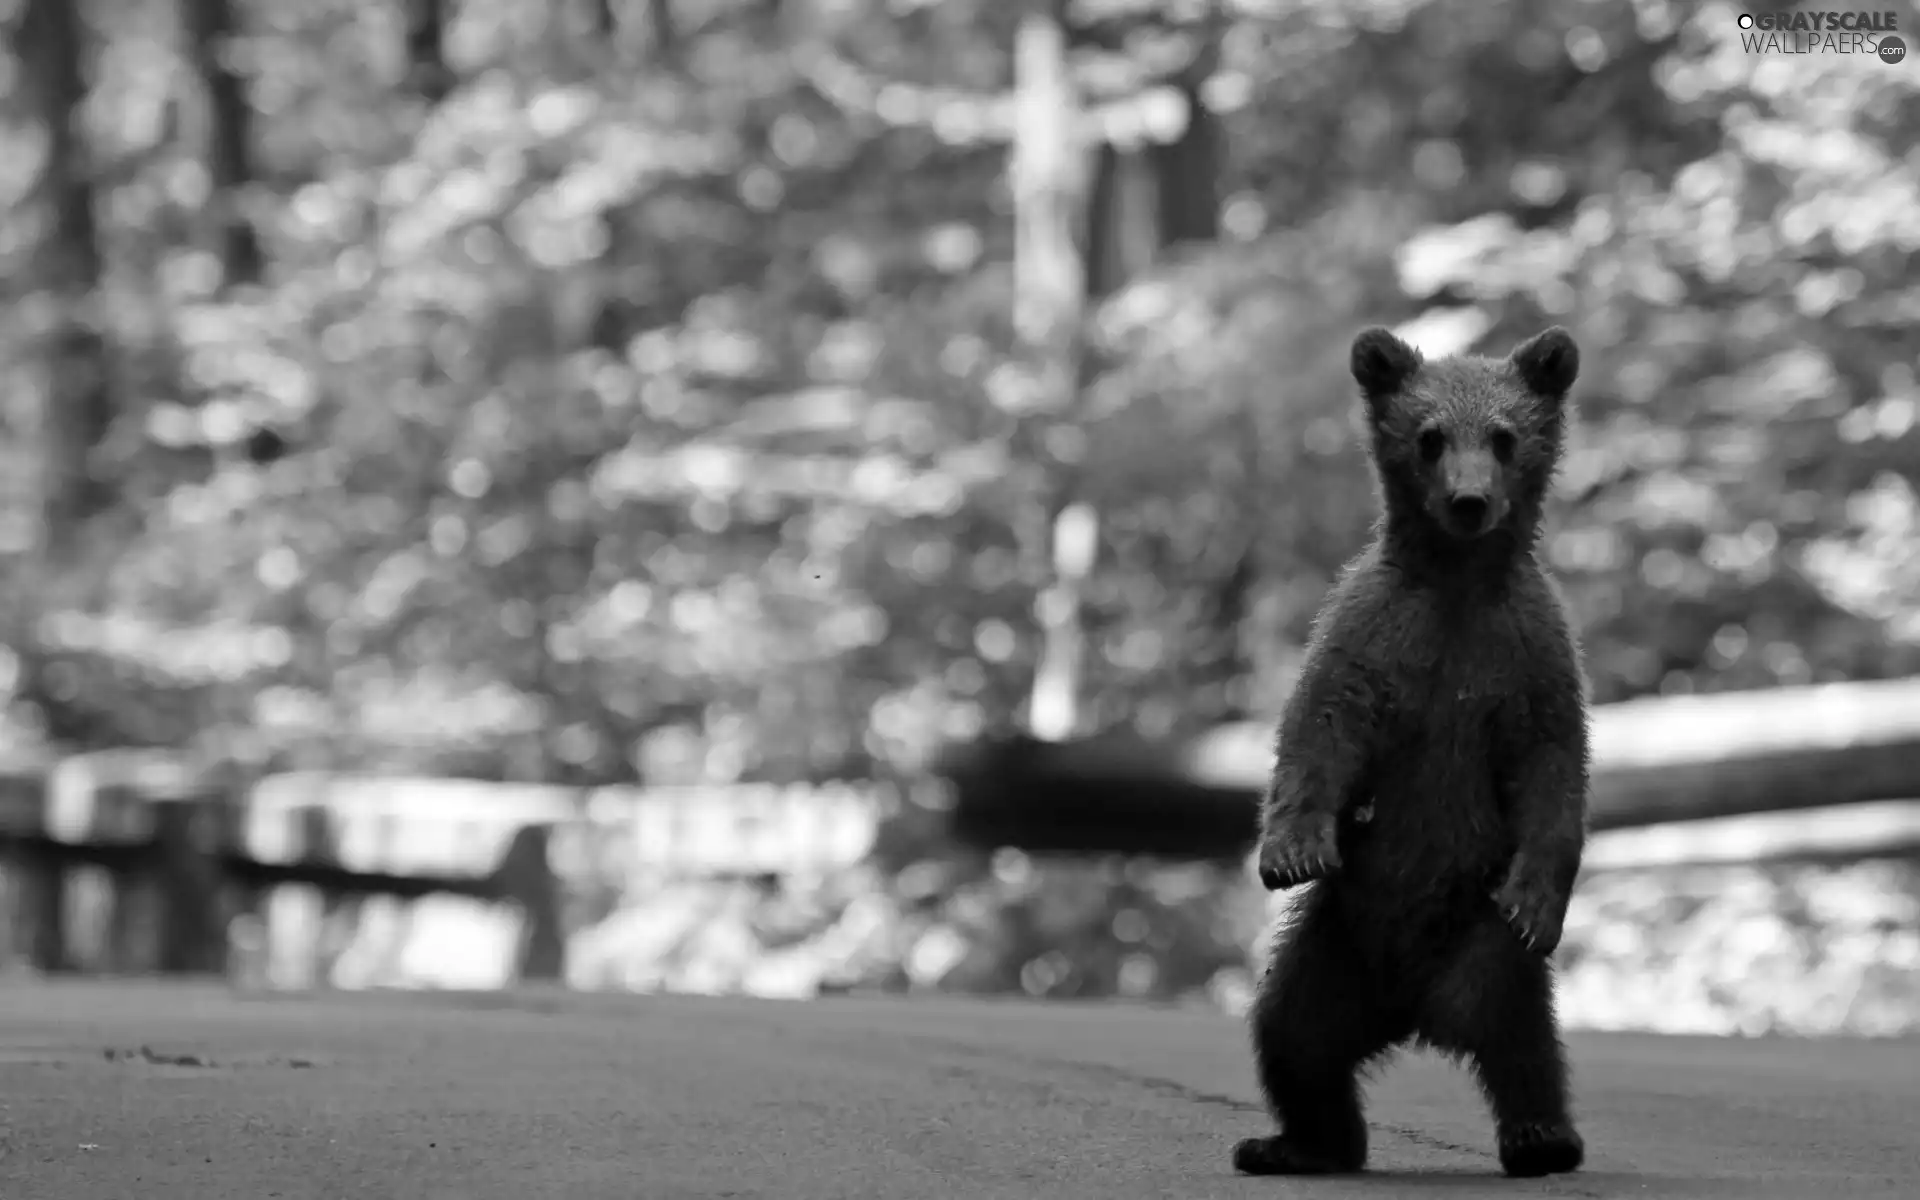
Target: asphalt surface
{"type": "Point", "coordinates": [129, 1091]}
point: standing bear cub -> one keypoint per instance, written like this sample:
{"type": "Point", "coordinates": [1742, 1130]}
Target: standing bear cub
{"type": "Point", "coordinates": [1430, 781]}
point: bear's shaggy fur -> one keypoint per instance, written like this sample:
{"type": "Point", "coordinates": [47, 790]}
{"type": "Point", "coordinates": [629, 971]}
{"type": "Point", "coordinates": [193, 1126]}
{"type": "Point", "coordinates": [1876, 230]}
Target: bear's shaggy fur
{"type": "Point", "coordinates": [1430, 780]}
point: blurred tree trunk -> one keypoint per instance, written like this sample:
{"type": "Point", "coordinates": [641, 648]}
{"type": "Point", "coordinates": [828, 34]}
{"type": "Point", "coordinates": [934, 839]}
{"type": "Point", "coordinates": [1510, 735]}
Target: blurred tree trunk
{"type": "Point", "coordinates": [79, 399]}
{"type": "Point", "coordinates": [619, 314]}
{"type": "Point", "coordinates": [1090, 216]}
{"type": "Point", "coordinates": [78, 404]}
{"type": "Point", "coordinates": [426, 48]}
{"type": "Point", "coordinates": [211, 26]}
{"type": "Point", "coordinates": [1187, 169]}
{"type": "Point", "coordinates": [600, 18]}
{"type": "Point", "coordinates": [1185, 182]}
{"type": "Point", "coordinates": [1050, 184]}
{"type": "Point", "coordinates": [666, 35]}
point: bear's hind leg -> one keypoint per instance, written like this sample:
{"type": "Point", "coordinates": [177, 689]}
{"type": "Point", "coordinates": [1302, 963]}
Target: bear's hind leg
{"type": "Point", "coordinates": [1493, 1006]}
{"type": "Point", "coordinates": [1315, 1024]}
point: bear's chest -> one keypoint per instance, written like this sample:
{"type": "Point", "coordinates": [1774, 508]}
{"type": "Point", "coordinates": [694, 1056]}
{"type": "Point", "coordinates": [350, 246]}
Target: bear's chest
{"type": "Point", "coordinates": [1453, 670]}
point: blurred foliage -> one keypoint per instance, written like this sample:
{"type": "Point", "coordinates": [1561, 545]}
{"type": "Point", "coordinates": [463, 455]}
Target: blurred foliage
{"type": "Point", "coordinates": [647, 404]}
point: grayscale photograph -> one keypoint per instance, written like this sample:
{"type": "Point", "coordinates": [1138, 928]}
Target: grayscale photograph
{"type": "Point", "coordinates": [975, 599]}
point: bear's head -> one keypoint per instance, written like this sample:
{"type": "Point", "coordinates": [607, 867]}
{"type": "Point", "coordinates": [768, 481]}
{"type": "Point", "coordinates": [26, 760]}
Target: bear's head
{"type": "Point", "coordinates": [1466, 446]}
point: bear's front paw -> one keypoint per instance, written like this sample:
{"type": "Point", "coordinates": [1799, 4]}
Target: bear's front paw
{"type": "Point", "coordinates": [1298, 848]}
{"type": "Point", "coordinates": [1534, 908]}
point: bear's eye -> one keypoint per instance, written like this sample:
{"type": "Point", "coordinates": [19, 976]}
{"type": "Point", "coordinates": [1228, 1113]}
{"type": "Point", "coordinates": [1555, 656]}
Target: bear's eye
{"type": "Point", "coordinates": [1433, 443]}
{"type": "Point", "coordinates": [1503, 444]}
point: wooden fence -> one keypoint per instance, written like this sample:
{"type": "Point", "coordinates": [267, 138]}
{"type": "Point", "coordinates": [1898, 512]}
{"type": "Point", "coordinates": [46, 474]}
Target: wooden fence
{"type": "Point", "coordinates": [182, 853]}
{"type": "Point", "coordinates": [179, 854]}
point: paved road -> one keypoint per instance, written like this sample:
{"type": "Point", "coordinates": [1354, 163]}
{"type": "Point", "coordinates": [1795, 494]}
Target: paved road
{"type": "Point", "coordinates": [136, 1091]}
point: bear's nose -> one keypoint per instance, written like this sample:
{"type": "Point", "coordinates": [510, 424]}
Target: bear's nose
{"type": "Point", "coordinates": [1469, 510]}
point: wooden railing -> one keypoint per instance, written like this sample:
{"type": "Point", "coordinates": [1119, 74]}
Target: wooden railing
{"type": "Point", "coordinates": [1655, 761]}
{"type": "Point", "coordinates": [180, 853]}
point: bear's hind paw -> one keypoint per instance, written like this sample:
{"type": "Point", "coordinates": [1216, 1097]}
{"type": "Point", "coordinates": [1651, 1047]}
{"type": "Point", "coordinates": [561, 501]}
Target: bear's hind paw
{"type": "Point", "coordinates": [1281, 1155]}
{"type": "Point", "coordinates": [1541, 1148]}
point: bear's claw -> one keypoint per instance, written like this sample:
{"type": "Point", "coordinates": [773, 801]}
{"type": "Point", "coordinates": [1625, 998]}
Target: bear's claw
{"type": "Point", "coordinates": [1535, 913]}
{"type": "Point", "coordinates": [1298, 849]}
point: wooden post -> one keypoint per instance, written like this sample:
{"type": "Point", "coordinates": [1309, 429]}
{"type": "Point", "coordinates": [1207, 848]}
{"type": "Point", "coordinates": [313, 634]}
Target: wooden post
{"type": "Point", "coordinates": [316, 845]}
{"type": "Point", "coordinates": [526, 878]}
{"type": "Point", "coordinates": [37, 886]}
{"type": "Point", "coordinates": [190, 834]}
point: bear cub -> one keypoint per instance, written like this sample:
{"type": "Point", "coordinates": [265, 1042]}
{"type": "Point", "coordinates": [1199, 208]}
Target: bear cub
{"type": "Point", "coordinates": [1430, 781]}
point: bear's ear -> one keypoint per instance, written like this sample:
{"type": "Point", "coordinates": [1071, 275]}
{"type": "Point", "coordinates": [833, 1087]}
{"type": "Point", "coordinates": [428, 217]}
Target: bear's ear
{"type": "Point", "coordinates": [1547, 362]}
{"type": "Point", "coordinates": [1381, 363]}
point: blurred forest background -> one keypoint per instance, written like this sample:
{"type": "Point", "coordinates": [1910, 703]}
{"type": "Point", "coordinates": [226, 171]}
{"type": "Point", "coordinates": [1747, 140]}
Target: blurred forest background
{"type": "Point", "coordinates": [686, 391]}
